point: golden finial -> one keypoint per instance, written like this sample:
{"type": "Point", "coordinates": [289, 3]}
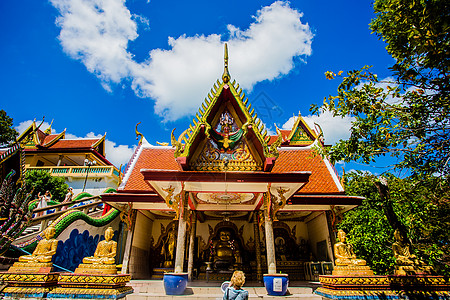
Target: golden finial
{"type": "Point", "coordinates": [49, 129]}
{"type": "Point", "coordinates": [226, 76]}
{"type": "Point", "coordinates": [139, 136]}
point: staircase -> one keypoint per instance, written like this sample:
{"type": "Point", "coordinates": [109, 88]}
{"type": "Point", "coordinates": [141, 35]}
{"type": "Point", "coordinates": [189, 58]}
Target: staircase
{"type": "Point", "coordinates": [89, 205]}
{"type": "Point", "coordinates": [154, 289]}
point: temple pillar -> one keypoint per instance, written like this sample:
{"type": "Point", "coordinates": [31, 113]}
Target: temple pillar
{"type": "Point", "coordinates": [270, 243]}
{"type": "Point", "coordinates": [257, 247]}
{"type": "Point", "coordinates": [191, 245]}
{"type": "Point", "coordinates": [181, 238]}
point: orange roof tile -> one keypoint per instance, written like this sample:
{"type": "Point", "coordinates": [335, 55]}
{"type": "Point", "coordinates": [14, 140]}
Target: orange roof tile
{"type": "Point", "coordinates": [150, 158]}
{"type": "Point", "coordinates": [320, 181]}
{"type": "Point", "coordinates": [49, 138]}
{"type": "Point", "coordinates": [73, 144]}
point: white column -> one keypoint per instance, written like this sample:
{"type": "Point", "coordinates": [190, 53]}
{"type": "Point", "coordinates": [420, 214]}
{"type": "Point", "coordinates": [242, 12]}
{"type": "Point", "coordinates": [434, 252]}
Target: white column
{"type": "Point", "coordinates": [270, 243]}
{"type": "Point", "coordinates": [181, 238]}
{"type": "Point", "coordinates": [191, 245]}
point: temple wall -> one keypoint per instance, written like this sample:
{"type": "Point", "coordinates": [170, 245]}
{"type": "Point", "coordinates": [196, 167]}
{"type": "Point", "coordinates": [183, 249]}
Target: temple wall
{"type": "Point", "coordinates": [139, 265]}
{"type": "Point", "coordinates": [319, 237]}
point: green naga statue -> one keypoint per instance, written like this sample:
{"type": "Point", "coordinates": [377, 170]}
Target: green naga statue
{"type": "Point", "coordinates": [14, 213]}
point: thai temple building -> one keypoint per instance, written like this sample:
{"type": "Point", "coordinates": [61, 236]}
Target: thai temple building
{"type": "Point", "coordinates": [80, 161]}
{"type": "Point", "coordinates": [227, 195]}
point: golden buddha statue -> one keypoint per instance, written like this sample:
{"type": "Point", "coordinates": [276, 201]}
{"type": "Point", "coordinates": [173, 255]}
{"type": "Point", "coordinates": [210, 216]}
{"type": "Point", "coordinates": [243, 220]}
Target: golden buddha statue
{"type": "Point", "coordinates": [105, 252]}
{"type": "Point", "coordinates": [405, 262]}
{"type": "Point", "coordinates": [40, 261]}
{"type": "Point", "coordinates": [45, 249]}
{"type": "Point", "coordinates": [169, 246]}
{"type": "Point", "coordinates": [225, 251]}
{"type": "Point", "coordinates": [103, 261]}
{"type": "Point", "coordinates": [344, 252]}
{"type": "Point", "coordinates": [346, 261]}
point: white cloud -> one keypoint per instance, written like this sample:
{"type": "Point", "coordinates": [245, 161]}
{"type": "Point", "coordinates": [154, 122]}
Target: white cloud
{"type": "Point", "coordinates": [334, 128]}
{"type": "Point", "coordinates": [97, 33]}
{"type": "Point", "coordinates": [116, 154]}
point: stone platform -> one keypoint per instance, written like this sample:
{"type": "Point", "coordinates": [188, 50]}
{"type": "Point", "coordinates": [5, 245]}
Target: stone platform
{"type": "Point", "coordinates": [154, 289]}
{"type": "Point", "coordinates": [384, 287]}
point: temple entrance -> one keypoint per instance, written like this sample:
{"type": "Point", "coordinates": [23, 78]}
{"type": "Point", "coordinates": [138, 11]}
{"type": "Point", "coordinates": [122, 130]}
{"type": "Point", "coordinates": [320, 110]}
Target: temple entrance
{"type": "Point", "coordinates": [222, 246]}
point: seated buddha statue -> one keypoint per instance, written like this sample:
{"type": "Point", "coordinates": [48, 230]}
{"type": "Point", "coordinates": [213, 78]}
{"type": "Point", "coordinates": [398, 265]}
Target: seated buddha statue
{"type": "Point", "coordinates": [45, 249]}
{"type": "Point", "coordinates": [225, 251]}
{"type": "Point", "coordinates": [105, 252]}
{"type": "Point", "coordinates": [405, 261]}
{"type": "Point", "coordinates": [344, 252]}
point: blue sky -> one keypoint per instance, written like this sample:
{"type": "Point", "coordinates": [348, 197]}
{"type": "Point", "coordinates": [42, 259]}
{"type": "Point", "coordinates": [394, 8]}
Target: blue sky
{"type": "Point", "coordinates": [102, 66]}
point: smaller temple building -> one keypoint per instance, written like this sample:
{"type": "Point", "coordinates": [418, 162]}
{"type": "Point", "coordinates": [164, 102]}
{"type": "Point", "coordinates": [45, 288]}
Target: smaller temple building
{"type": "Point", "coordinates": [227, 195]}
{"type": "Point", "coordinates": [80, 161]}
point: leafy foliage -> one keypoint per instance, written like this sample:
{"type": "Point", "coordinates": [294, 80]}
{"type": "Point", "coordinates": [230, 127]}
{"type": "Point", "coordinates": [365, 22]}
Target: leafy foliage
{"type": "Point", "coordinates": [14, 213]}
{"type": "Point", "coordinates": [43, 181]}
{"type": "Point", "coordinates": [407, 116]}
{"type": "Point", "coordinates": [8, 134]}
{"type": "Point", "coordinates": [423, 209]}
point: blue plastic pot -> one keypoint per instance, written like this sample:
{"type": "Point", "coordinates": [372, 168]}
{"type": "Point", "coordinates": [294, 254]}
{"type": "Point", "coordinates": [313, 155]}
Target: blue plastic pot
{"type": "Point", "coordinates": [276, 284]}
{"type": "Point", "coordinates": [175, 283]}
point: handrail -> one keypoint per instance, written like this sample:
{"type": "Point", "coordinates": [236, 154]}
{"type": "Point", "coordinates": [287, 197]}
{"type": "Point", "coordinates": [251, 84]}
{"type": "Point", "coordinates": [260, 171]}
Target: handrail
{"type": "Point", "coordinates": [53, 216]}
{"type": "Point", "coordinates": [65, 204]}
{"type": "Point", "coordinates": [77, 171]}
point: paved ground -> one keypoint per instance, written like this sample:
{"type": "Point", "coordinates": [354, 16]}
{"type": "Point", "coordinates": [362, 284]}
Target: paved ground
{"type": "Point", "coordinates": [202, 290]}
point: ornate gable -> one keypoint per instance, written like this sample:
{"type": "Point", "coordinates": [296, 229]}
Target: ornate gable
{"type": "Point", "coordinates": [226, 133]}
{"type": "Point", "coordinates": [301, 134]}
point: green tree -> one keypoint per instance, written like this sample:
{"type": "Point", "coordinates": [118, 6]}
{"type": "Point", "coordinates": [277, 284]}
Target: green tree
{"type": "Point", "coordinates": [426, 219]}
{"type": "Point", "coordinates": [8, 134]}
{"type": "Point", "coordinates": [42, 181]}
{"type": "Point", "coordinates": [407, 117]}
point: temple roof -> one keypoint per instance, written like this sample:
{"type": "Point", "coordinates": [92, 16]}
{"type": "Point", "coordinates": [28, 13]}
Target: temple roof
{"type": "Point", "coordinates": [323, 179]}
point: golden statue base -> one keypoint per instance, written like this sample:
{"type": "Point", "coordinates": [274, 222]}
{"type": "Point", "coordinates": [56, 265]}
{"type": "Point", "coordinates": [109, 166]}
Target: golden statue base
{"type": "Point", "coordinates": [352, 270]}
{"type": "Point", "coordinates": [413, 270]}
{"type": "Point", "coordinates": [26, 285]}
{"type": "Point", "coordinates": [383, 287]}
{"type": "Point", "coordinates": [96, 269]}
{"type": "Point", "coordinates": [30, 267]}
{"type": "Point", "coordinates": [91, 286]}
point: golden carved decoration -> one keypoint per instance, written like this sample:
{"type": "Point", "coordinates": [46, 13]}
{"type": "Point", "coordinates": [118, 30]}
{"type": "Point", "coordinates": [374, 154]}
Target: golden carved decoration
{"type": "Point", "coordinates": [210, 159]}
{"type": "Point", "coordinates": [173, 201]}
{"type": "Point", "coordinates": [280, 201]}
{"type": "Point", "coordinates": [177, 144]}
{"type": "Point", "coordinates": [274, 147]}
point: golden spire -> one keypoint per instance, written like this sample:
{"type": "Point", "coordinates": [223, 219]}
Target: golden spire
{"type": "Point", "coordinates": [226, 76]}
{"type": "Point", "coordinates": [49, 129]}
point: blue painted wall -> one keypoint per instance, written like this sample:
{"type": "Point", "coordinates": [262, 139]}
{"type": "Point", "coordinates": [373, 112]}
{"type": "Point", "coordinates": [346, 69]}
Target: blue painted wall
{"type": "Point", "coordinates": [71, 252]}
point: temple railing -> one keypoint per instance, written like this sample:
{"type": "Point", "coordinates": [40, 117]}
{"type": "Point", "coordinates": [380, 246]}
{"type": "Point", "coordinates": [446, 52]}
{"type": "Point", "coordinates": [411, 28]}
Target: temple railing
{"type": "Point", "coordinates": [80, 171]}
